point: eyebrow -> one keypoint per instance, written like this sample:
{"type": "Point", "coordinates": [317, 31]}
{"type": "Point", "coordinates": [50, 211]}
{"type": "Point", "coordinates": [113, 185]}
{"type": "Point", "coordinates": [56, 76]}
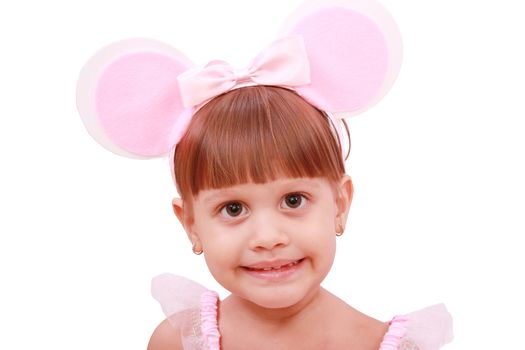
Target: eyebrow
{"type": "Point", "coordinates": [216, 195]}
{"type": "Point", "coordinates": [227, 192]}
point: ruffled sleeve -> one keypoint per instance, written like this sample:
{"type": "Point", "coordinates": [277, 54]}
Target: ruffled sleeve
{"type": "Point", "coordinates": [427, 329]}
{"type": "Point", "coordinates": [190, 308]}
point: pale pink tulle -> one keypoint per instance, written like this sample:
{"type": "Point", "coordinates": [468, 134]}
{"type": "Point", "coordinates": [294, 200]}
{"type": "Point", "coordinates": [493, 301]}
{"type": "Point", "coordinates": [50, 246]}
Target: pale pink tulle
{"type": "Point", "coordinates": [176, 293]}
{"type": "Point", "coordinates": [427, 329]}
{"type": "Point", "coordinates": [430, 328]}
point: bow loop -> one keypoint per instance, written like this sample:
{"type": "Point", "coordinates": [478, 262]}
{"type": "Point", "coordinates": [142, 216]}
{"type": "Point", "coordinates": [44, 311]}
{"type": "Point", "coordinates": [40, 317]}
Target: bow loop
{"type": "Point", "coordinates": [284, 63]}
{"type": "Point", "coordinates": [269, 67]}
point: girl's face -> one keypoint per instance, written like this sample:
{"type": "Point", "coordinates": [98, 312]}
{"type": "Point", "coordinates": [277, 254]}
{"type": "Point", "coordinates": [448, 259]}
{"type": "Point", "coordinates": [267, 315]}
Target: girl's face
{"type": "Point", "coordinates": [272, 243]}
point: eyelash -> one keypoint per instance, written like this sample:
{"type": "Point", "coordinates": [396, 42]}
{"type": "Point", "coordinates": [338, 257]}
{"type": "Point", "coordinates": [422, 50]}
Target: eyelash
{"type": "Point", "coordinates": [304, 200]}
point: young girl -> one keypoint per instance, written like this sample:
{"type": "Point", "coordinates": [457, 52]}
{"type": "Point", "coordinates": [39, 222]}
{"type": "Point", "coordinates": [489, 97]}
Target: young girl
{"type": "Point", "coordinates": [259, 167]}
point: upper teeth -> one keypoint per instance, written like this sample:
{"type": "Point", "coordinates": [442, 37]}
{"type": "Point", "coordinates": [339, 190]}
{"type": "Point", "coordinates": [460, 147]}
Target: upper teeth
{"type": "Point", "coordinates": [278, 267]}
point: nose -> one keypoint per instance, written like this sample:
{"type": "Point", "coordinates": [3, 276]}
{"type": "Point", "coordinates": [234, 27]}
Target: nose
{"type": "Point", "coordinates": [268, 233]}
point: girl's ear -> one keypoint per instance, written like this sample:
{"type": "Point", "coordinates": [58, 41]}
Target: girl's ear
{"type": "Point", "coordinates": [187, 222]}
{"type": "Point", "coordinates": [345, 193]}
{"type": "Point", "coordinates": [185, 219]}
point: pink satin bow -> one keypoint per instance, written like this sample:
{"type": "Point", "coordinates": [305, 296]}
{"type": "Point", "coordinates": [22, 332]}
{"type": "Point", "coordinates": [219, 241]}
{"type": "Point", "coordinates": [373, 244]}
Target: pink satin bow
{"type": "Point", "coordinates": [284, 63]}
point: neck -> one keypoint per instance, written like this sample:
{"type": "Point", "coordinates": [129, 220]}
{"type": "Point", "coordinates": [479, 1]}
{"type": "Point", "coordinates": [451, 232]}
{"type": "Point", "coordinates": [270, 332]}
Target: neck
{"type": "Point", "coordinates": [247, 311]}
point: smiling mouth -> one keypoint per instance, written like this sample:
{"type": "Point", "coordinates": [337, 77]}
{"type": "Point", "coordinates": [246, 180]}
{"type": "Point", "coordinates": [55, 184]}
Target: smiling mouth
{"type": "Point", "coordinates": [277, 271]}
{"type": "Point", "coordinates": [275, 267]}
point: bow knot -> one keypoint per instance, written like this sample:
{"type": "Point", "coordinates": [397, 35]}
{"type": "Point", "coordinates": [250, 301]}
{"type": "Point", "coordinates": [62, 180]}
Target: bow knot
{"type": "Point", "coordinates": [284, 63]}
{"type": "Point", "coordinates": [243, 75]}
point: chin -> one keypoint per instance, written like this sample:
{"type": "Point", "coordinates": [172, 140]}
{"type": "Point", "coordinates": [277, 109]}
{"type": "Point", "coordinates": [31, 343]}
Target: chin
{"type": "Point", "coordinates": [278, 298]}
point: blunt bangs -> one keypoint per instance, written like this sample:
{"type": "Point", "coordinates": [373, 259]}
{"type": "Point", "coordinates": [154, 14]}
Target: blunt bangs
{"type": "Point", "coordinates": [255, 134]}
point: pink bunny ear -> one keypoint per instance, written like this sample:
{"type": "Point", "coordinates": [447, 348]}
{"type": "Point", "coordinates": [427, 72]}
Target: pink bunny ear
{"type": "Point", "coordinates": [129, 100]}
{"type": "Point", "coordinates": [354, 50]}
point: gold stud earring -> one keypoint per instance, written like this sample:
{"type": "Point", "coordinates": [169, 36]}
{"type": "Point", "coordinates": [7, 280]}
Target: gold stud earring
{"type": "Point", "coordinates": [195, 251]}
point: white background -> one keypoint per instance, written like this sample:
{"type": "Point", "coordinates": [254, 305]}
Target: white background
{"type": "Point", "coordinates": [438, 170]}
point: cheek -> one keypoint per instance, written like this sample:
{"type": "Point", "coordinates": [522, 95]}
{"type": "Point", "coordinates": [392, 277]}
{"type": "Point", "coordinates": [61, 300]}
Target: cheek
{"type": "Point", "coordinates": [324, 254]}
{"type": "Point", "coordinates": [223, 261]}
{"type": "Point", "coordinates": [221, 251]}
{"type": "Point", "coordinates": [325, 249]}
{"type": "Point", "coordinates": [319, 229]}
{"type": "Point", "coordinates": [320, 240]}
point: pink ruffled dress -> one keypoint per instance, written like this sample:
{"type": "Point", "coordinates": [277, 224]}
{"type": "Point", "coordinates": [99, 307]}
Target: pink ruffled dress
{"type": "Point", "coordinates": [193, 309]}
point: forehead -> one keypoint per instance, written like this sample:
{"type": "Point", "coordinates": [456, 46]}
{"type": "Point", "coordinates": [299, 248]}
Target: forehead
{"type": "Point", "coordinates": [277, 186]}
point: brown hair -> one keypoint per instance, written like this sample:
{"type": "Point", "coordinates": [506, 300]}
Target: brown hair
{"type": "Point", "coordinates": [255, 134]}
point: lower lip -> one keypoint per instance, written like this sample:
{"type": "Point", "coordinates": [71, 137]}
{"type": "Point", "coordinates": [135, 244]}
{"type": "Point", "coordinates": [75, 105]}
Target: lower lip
{"type": "Point", "coordinates": [276, 275]}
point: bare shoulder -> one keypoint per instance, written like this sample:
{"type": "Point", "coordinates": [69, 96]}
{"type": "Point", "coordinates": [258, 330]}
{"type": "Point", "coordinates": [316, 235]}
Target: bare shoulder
{"type": "Point", "coordinates": [373, 332]}
{"type": "Point", "coordinates": [165, 337]}
{"type": "Point", "coordinates": [361, 332]}
{"type": "Point", "coordinates": [355, 328]}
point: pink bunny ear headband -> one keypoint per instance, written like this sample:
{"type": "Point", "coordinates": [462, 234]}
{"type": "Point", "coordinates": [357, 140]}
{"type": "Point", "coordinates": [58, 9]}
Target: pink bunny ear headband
{"type": "Point", "coordinates": [136, 97]}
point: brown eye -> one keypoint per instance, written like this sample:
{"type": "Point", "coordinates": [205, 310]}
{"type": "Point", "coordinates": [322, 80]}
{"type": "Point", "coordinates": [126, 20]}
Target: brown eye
{"type": "Point", "coordinates": [232, 209]}
{"type": "Point", "coordinates": [295, 200]}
